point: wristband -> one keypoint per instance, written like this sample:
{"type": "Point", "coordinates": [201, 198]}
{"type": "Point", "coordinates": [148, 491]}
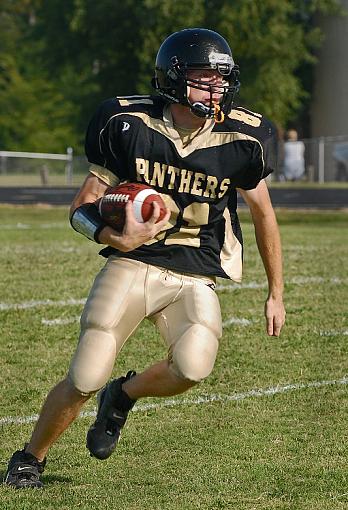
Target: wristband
{"type": "Point", "coordinates": [87, 221]}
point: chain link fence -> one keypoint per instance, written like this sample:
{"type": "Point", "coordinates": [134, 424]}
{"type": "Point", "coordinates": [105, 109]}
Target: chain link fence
{"type": "Point", "coordinates": [325, 160]}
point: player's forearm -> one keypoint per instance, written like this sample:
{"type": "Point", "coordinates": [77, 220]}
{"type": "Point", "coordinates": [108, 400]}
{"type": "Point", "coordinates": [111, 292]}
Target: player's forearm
{"type": "Point", "coordinates": [110, 237]}
{"type": "Point", "coordinates": [91, 190]}
{"type": "Point", "coordinates": [117, 240]}
{"type": "Point", "coordinates": [269, 245]}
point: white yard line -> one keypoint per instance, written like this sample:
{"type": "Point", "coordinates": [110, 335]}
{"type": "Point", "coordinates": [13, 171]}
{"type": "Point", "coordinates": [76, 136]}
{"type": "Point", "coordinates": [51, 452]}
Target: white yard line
{"type": "Point", "coordinates": [60, 321]}
{"type": "Point", "coordinates": [199, 400]}
{"type": "Point", "coordinates": [44, 302]}
{"type": "Point", "coordinates": [238, 321]}
{"type": "Point", "coordinates": [28, 226]}
{"type": "Point", "coordinates": [299, 280]}
{"type": "Point", "coordinates": [304, 280]}
{"type": "Point", "coordinates": [334, 332]}
{"type": "Point", "coordinates": [237, 286]}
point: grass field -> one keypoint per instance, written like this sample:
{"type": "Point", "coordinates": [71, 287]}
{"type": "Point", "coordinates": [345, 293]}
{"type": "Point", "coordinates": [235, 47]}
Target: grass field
{"type": "Point", "coordinates": [220, 446]}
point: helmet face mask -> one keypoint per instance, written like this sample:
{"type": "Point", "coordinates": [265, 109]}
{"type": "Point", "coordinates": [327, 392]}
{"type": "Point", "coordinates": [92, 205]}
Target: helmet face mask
{"type": "Point", "coordinates": [196, 49]}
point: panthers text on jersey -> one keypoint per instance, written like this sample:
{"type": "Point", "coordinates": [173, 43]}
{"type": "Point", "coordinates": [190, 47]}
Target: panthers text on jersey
{"type": "Point", "coordinates": [133, 139]}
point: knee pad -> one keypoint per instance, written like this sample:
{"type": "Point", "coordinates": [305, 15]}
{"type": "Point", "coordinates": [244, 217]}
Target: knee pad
{"type": "Point", "coordinates": [193, 356]}
{"type": "Point", "coordinates": [93, 361]}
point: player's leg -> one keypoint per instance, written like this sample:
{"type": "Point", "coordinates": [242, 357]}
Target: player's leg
{"type": "Point", "coordinates": [113, 290]}
{"type": "Point", "coordinates": [113, 403]}
{"type": "Point", "coordinates": [61, 407]}
{"type": "Point", "coordinates": [191, 326]}
{"type": "Point", "coordinates": [188, 314]}
{"type": "Point", "coordinates": [157, 381]}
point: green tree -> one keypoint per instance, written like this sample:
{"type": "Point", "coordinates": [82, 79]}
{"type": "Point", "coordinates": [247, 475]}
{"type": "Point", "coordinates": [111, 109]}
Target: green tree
{"type": "Point", "coordinates": [59, 59]}
{"type": "Point", "coordinates": [119, 40]}
{"type": "Point", "coordinates": [34, 111]}
{"type": "Point", "coordinates": [272, 40]}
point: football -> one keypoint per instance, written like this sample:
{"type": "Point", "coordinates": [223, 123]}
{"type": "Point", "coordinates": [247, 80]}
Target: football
{"type": "Point", "coordinates": [112, 204]}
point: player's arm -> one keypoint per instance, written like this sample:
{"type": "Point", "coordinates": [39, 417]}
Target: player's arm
{"type": "Point", "coordinates": [85, 218]}
{"type": "Point", "coordinates": [269, 245]}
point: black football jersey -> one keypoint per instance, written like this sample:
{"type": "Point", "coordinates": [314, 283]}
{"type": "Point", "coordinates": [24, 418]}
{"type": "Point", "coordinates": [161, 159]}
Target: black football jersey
{"type": "Point", "coordinates": [133, 139]}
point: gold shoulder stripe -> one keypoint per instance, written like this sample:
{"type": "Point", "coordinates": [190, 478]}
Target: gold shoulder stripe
{"type": "Point", "coordinates": [129, 102]}
{"type": "Point", "coordinates": [166, 128]}
{"type": "Point", "coordinates": [242, 109]}
{"type": "Point", "coordinates": [223, 137]}
{"type": "Point", "coordinates": [206, 139]}
{"type": "Point", "coordinates": [104, 174]}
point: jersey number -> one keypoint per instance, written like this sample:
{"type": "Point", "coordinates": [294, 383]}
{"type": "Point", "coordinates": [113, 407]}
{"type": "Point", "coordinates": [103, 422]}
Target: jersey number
{"type": "Point", "coordinates": [195, 216]}
{"type": "Point", "coordinates": [250, 118]}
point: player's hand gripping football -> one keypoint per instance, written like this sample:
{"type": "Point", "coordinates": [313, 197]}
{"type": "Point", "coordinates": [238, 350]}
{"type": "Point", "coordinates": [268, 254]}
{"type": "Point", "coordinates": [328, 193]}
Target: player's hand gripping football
{"type": "Point", "coordinates": [134, 234]}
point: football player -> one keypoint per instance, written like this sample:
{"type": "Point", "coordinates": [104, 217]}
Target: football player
{"type": "Point", "coordinates": [196, 149]}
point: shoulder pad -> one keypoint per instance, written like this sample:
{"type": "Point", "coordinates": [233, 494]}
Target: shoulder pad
{"type": "Point", "coordinates": [139, 103]}
{"type": "Point", "coordinates": [126, 101]}
{"type": "Point", "coordinates": [109, 108]}
{"type": "Point", "coordinates": [251, 123]}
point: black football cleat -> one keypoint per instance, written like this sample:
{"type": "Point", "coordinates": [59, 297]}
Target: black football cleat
{"type": "Point", "coordinates": [114, 406]}
{"type": "Point", "coordinates": [24, 471]}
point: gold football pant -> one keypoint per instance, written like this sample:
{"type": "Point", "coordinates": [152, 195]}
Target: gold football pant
{"type": "Point", "coordinates": [184, 307]}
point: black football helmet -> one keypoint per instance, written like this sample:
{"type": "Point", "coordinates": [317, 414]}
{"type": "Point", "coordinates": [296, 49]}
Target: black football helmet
{"type": "Point", "coordinates": [196, 48]}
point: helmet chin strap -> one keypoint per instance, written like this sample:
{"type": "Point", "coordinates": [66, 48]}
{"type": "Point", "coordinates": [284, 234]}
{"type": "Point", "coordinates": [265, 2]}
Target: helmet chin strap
{"type": "Point", "coordinates": [219, 115]}
{"type": "Point", "coordinates": [202, 110]}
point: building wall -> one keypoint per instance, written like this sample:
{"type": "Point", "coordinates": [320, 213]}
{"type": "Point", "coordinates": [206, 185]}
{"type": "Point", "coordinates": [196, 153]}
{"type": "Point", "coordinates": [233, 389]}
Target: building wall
{"type": "Point", "coordinates": [329, 110]}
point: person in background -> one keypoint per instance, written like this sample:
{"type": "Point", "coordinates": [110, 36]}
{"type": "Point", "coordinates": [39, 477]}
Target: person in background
{"type": "Point", "coordinates": [293, 162]}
